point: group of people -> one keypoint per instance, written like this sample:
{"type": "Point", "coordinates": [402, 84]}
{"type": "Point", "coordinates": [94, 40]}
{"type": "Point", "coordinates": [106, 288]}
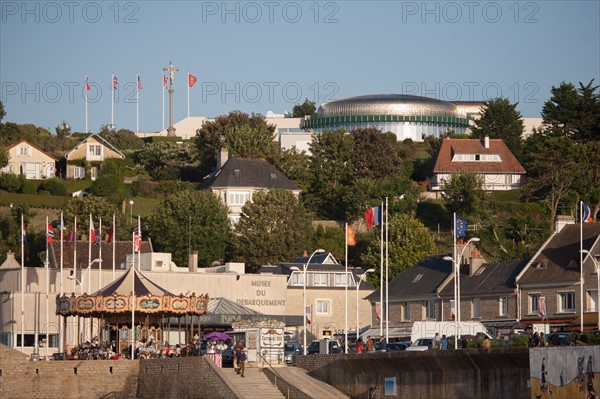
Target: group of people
{"type": "Point", "coordinates": [442, 342]}
{"type": "Point", "coordinates": [369, 345]}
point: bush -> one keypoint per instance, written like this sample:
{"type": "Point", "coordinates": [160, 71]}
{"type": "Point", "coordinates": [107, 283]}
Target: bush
{"type": "Point", "coordinates": [10, 182]}
{"type": "Point", "coordinates": [54, 186]}
{"type": "Point", "coordinates": [108, 186]}
{"type": "Point", "coordinates": [144, 188]}
{"type": "Point", "coordinates": [29, 187]}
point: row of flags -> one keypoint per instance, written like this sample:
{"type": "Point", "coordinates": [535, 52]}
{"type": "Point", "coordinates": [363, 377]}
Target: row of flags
{"type": "Point", "coordinates": [115, 82]}
{"type": "Point", "coordinates": [94, 235]}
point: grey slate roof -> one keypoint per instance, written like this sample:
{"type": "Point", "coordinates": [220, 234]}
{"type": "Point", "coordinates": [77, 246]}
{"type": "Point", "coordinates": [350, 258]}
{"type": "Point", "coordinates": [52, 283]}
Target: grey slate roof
{"type": "Point", "coordinates": [255, 173]}
{"type": "Point", "coordinates": [490, 278]}
{"type": "Point", "coordinates": [561, 251]}
{"type": "Point", "coordinates": [434, 270]}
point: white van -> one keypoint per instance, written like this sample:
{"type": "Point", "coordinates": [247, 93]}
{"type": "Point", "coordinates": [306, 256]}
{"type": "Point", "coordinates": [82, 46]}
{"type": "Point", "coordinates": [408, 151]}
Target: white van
{"type": "Point", "coordinates": [427, 329]}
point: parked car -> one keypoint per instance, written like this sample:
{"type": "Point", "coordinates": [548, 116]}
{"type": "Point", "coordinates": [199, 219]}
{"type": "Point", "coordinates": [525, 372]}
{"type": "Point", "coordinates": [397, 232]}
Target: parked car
{"type": "Point", "coordinates": [291, 349]}
{"type": "Point", "coordinates": [422, 344]}
{"type": "Point", "coordinates": [397, 346]}
{"type": "Point", "coordinates": [315, 347]}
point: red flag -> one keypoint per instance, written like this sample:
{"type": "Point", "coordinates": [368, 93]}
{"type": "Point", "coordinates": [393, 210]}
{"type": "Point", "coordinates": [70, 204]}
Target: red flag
{"type": "Point", "coordinates": [139, 83]}
{"type": "Point", "coordinates": [165, 81]}
{"type": "Point", "coordinates": [71, 235]}
{"type": "Point", "coordinates": [50, 233]}
{"type": "Point", "coordinates": [87, 86]}
{"type": "Point", "coordinates": [109, 236]}
{"type": "Point", "coordinates": [191, 80]}
{"type": "Point", "coordinates": [92, 232]}
{"type": "Point", "coordinates": [351, 236]}
{"type": "Point", "coordinates": [115, 82]}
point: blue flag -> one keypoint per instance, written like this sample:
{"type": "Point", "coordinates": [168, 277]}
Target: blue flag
{"type": "Point", "coordinates": [461, 227]}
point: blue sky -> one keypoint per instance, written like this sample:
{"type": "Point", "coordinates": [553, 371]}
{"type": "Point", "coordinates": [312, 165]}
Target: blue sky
{"type": "Point", "coordinates": [269, 55]}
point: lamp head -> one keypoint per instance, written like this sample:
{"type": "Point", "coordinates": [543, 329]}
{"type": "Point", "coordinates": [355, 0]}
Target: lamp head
{"type": "Point", "coordinates": [474, 239]}
{"type": "Point", "coordinates": [448, 258]}
{"type": "Point", "coordinates": [369, 270]}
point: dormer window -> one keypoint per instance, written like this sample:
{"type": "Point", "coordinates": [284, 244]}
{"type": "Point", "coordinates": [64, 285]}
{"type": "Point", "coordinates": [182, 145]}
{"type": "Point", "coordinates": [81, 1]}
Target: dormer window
{"type": "Point", "coordinates": [539, 266]}
{"type": "Point", "coordinates": [417, 278]}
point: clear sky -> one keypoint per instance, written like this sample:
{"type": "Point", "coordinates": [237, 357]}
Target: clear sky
{"type": "Point", "coordinates": [269, 55]}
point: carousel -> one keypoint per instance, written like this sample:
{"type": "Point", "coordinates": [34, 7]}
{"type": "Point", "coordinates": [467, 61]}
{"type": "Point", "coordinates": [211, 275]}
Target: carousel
{"type": "Point", "coordinates": [131, 309]}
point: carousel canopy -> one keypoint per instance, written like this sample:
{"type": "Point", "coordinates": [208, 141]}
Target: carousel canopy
{"type": "Point", "coordinates": [132, 292]}
{"type": "Point", "coordinates": [141, 284]}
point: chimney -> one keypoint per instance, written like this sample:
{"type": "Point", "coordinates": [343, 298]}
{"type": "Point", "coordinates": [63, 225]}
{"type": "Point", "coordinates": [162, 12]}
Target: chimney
{"type": "Point", "coordinates": [486, 142]}
{"type": "Point", "coordinates": [562, 221]}
{"type": "Point", "coordinates": [193, 261]}
{"type": "Point", "coordinates": [222, 157]}
{"type": "Point", "coordinates": [471, 257]}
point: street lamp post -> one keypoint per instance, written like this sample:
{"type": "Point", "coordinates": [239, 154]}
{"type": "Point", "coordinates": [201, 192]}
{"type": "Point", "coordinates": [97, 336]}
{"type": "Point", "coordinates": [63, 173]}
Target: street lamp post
{"type": "Point", "coordinates": [597, 265]}
{"type": "Point", "coordinates": [317, 251]}
{"type": "Point", "coordinates": [456, 263]}
{"type": "Point", "coordinates": [360, 280]}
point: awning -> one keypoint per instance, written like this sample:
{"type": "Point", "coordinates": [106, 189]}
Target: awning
{"type": "Point", "coordinates": [396, 332]}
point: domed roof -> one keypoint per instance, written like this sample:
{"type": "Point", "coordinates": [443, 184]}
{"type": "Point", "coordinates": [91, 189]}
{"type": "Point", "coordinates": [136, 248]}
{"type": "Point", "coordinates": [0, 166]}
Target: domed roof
{"type": "Point", "coordinates": [388, 104]}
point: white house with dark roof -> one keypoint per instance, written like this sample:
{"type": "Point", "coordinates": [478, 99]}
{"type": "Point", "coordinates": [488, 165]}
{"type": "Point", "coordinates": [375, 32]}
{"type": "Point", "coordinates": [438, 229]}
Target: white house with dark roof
{"type": "Point", "coordinates": [30, 161]}
{"type": "Point", "coordinates": [498, 168]}
{"type": "Point", "coordinates": [236, 180]}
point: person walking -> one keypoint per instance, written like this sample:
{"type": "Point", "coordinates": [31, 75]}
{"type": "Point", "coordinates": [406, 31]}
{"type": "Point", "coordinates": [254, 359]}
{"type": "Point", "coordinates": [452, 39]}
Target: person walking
{"type": "Point", "coordinates": [369, 345]}
{"type": "Point", "coordinates": [359, 346]}
{"type": "Point", "coordinates": [382, 344]}
{"type": "Point", "coordinates": [436, 341]}
{"type": "Point", "coordinates": [241, 357]}
{"type": "Point", "coordinates": [444, 343]}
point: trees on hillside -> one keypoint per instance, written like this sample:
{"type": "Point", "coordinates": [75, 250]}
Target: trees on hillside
{"type": "Point", "coordinates": [194, 218]}
{"type": "Point", "coordinates": [409, 242]}
{"type": "Point", "coordinates": [499, 119]}
{"type": "Point", "coordinates": [275, 227]}
{"type": "Point", "coordinates": [246, 141]}
{"type": "Point", "coordinates": [464, 193]}
{"type": "Point", "coordinates": [98, 207]}
{"type": "Point", "coordinates": [211, 137]}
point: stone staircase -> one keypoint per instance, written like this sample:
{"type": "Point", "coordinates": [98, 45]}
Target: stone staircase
{"type": "Point", "coordinates": [254, 384]}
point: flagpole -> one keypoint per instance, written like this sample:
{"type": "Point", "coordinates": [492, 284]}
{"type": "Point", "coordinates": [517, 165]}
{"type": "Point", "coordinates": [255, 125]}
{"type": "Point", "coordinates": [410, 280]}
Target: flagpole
{"type": "Point", "coordinates": [346, 294]}
{"type": "Point", "coordinates": [581, 263]}
{"type": "Point", "coordinates": [47, 288]}
{"type": "Point", "coordinates": [387, 289]}
{"type": "Point", "coordinates": [163, 101]}
{"type": "Point", "coordinates": [454, 265]}
{"type": "Point", "coordinates": [99, 238]}
{"type": "Point", "coordinates": [137, 103]}
{"type": "Point", "coordinates": [75, 272]}
{"type": "Point", "coordinates": [89, 287]}
{"type": "Point", "coordinates": [381, 315]}
{"type": "Point", "coordinates": [114, 231]}
{"type": "Point", "coordinates": [188, 87]}
{"type": "Point", "coordinates": [140, 247]}
{"type": "Point", "coordinates": [132, 272]}
{"type": "Point", "coordinates": [85, 89]}
{"type": "Point", "coordinates": [22, 283]}
{"type": "Point", "coordinates": [60, 326]}
{"type": "Point", "coordinates": [112, 104]}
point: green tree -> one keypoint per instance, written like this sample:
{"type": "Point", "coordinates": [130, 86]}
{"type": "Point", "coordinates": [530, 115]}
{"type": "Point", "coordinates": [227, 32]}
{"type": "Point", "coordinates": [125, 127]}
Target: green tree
{"type": "Point", "coordinates": [587, 183]}
{"type": "Point", "coordinates": [195, 216]}
{"type": "Point", "coordinates": [499, 119]}
{"type": "Point", "coordinates": [159, 160]}
{"type": "Point", "coordinates": [211, 137]}
{"type": "Point", "coordinates": [374, 156]}
{"type": "Point", "coordinates": [294, 164]}
{"type": "Point", "coordinates": [409, 242]}
{"type": "Point", "coordinates": [249, 142]}
{"type": "Point", "coordinates": [4, 158]}
{"type": "Point", "coordinates": [123, 139]}
{"type": "Point", "coordinates": [331, 170]}
{"type": "Point", "coordinates": [110, 186]}
{"type": "Point", "coordinates": [98, 207]}
{"type": "Point", "coordinates": [464, 193]}
{"type": "Point", "coordinates": [274, 228]}
{"type": "Point", "coordinates": [552, 168]}
{"type": "Point", "coordinates": [573, 112]}
{"type": "Point", "coordinates": [307, 108]}
{"type": "Point", "coordinates": [2, 111]}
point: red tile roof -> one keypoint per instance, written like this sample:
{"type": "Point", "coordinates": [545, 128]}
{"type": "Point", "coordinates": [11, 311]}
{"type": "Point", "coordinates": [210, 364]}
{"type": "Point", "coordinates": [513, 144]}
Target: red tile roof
{"type": "Point", "coordinates": [28, 143]}
{"type": "Point", "coordinates": [450, 147]}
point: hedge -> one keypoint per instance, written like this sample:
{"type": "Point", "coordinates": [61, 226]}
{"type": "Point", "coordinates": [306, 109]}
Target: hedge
{"type": "Point", "coordinates": [34, 200]}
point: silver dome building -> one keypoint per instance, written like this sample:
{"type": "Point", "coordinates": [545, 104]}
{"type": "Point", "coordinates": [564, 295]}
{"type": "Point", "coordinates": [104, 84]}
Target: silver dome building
{"type": "Point", "coordinates": [407, 116]}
